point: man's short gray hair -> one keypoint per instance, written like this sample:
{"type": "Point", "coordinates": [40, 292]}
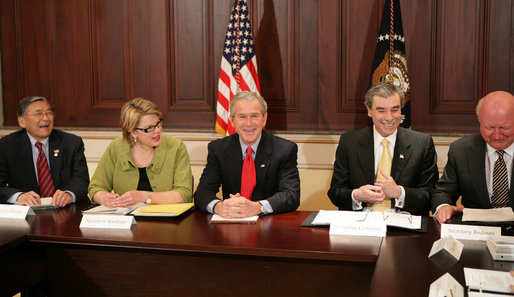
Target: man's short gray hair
{"type": "Point", "coordinates": [25, 102]}
{"type": "Point", "coordinates": [382, 89]}
{"type": "Point", "coordinates": [247, 96]}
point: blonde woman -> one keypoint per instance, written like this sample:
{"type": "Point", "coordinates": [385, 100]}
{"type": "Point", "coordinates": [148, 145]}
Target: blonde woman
{"type": "Point", "coordinates": [144, 165]}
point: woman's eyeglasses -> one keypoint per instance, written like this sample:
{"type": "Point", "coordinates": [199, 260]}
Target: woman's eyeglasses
{"type": "Point", "coordinates": [151, 128]}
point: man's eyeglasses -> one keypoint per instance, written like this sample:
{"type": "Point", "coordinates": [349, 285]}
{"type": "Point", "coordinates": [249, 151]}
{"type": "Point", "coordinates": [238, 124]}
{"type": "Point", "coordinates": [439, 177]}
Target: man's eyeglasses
{"type": "Point", "coordinates": [40, 114]}
{"type": "Point", "coordinates": [151, 128]}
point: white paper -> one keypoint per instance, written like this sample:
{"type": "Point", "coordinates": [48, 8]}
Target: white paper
{"type": "Point", "coordinates": [371, 225]}
{"type": "Point", "coordinates": [469, 232]}
{"type": "Point", "coordinates": [504, 214]}
{"type": "Point", "coordinates": [101, 209]}
{"type": "Point", "coordinates": [107, 221]}
{"type": "Point", "coordinates": [11, 211]}
{"type": "Point", "coordinates": [450, 244]}
{"type": "Point", "coordinates": [478, 294]}
{"type": "Point", "coordinates": [219, 219]}
{"type": "Point", "coordinates": [325, 217]}
{"type": "Point", "coordinates": [488, 280]}
{"type": "Point", "coordinates": [403, 220]}
{"type": "Point", "coordinates": [446, 286]}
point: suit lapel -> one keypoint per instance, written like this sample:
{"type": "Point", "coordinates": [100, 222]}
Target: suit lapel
{"type": "Point", "coordinates": [55, 156]}
{"type": "Point", "coordinates": [234, 159]}
{"type": "Point", "coordinates": [366, 156]}
{"type": "Point", "coordinates": [26, 160]}
{"type": "Point", "coordinates": [475, 159]}
{"type": "Point", "coordinates": [262, 163]}
{"type": "Point", "coordinates": [401, 155]}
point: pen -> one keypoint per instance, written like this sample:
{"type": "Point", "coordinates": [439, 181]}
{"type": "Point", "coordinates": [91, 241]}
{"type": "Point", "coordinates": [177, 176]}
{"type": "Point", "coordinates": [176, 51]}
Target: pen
{"type": "Point", "coordinates": [451, 292]}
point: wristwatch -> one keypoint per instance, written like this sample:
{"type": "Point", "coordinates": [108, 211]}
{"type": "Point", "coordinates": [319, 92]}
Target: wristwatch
{"type": "Point", "coordinates": [149, 198]}
{"type": "Point", "coordinates": [262, 209]}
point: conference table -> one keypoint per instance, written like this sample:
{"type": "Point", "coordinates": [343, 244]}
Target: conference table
{"type": "Point", "coordinates": [188, 256]}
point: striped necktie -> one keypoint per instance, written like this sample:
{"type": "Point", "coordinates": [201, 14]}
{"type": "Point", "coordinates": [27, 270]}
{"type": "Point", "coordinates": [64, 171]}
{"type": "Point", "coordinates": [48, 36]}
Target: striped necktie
{"type": "Point", "coordinates": [46, 184]}
{"type": "Point", "coordinates": [501, 193]}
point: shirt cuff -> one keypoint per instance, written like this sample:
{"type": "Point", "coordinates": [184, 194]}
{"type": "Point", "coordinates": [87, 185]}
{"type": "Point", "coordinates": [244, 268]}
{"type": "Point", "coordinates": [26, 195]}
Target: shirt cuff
{"type": "Point", "coordinates": [356, 205]}
{"type": "Point", "coordinates": [438, 208]}
{"type": "Point", "coordinates": [73, 199]}
{"type": "Point", "coordinates": [266, 206]}
{"type": "Point", "coordinates": [14, 197]}
{"type": "Point", "coordinates": [400, 202]}
{"type": "Point", "coordinates": [210, 206]}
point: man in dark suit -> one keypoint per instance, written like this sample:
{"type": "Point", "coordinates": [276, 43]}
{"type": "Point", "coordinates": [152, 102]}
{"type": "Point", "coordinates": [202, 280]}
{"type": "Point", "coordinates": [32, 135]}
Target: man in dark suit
{"type": "Point", "coordinates": [413, 168]}
{"type": "Point", "coordinates": [276, 182]}
{"type": "Point", "coordinates": [472, 159]}
{"type": "Point", "coordinates": [19, 152]}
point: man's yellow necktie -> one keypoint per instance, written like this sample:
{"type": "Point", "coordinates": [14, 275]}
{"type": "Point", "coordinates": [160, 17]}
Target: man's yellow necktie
{"type": "Point", "coordinates": [384, 166]}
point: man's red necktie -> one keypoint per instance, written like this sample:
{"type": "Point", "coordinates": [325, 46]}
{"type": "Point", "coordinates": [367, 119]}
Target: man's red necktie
{"type": "Point", "coordinates": [248, 179]}
{"type": "Point", "coordinates": [46, 184]}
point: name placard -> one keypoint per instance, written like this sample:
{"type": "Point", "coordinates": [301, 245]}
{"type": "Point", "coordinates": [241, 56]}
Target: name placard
{"type": "Point", "coordinates": [469, 232]}
{"type": "Point", "coordinates": [107, 221]}
{"type": "Point", "coordinates": [365, 228]}
{"type": "Point", "coordinates": [11, 211]}
{"type": "Point", "coordinates": [449, 245]}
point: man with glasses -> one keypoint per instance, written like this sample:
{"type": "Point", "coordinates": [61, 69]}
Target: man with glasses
{"type": "Point", "coordinates": [38, 161]}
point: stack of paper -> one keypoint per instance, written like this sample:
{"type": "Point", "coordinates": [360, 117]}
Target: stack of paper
{"type": "Point", "coordinates": [501, 247]}
{"type": "Point", "coordinates": [483, 280]}
{"type": "Point", "coordinates": [163, 210]}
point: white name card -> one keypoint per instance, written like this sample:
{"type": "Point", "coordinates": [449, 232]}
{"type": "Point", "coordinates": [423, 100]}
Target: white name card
{"type": "Point", "coordinates": [107, 221]}
{"type": "Point", "coordinates": [469, 232]}
{"type": "Point", "coordinates": [10, 211]}
{"type": "Point", "coordinates": [449, 245]}
{"type": "Point", "coordinates": [365, 228]}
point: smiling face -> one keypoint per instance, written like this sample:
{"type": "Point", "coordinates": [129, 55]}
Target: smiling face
{"type": "Point", "coordinates": [150, 139]}
{"type": "Point", "coordinates": [38, 120]}
{"type": "Point", "coordinates": [496, 116]}
{"type": "Point", "coordinates": [386, 113]}
{"type": "Point", "coordinates": [248, 120]}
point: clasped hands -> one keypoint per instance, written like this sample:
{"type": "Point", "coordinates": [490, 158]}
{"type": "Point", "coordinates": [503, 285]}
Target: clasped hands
{"type": "Point", "coordinates": [379, 191]}
{"type": "Point", "coordinates": [114, 200]}
{"type": "Point", "coordinates": [237, 206]}
{"type": "Point", "coordinates": [31, 198]}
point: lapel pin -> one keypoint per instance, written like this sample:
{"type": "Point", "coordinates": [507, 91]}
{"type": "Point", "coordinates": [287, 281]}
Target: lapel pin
{"type": "Point", "coordinates": [262, 165]}
{"type": "Point", "coordinates": [401, 156]}
{"type": "Point", "coordinates": [56, 152]}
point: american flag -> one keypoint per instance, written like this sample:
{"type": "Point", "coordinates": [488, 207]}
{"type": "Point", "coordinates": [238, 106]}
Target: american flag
{"type": "Point", "coordinates": [238, 65]}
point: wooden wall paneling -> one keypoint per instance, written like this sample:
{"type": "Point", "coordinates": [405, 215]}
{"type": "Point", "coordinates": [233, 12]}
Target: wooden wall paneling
{"type": "Point", "coordinates": [10, 72]}
{"type": "Point", "coordinates": [500, 48]}
{"type": "Point", "coordinates": [457, 67]}
{"type": "Point", "coordinates": [72, 63]}
{"type": "Point", "coordinates": [191, 30]}
{"type": "Point", "coordinates": [347, 46]}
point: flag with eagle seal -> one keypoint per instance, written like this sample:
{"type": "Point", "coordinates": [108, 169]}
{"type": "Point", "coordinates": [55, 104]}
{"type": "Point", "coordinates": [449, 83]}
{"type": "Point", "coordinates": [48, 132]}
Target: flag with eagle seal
{"type": "Point", "coordinates": [390, 63]}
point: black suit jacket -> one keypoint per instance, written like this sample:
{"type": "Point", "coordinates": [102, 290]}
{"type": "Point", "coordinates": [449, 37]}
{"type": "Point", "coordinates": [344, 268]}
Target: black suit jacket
{"type": "Point", "coordinates": [67, 164]}
{"type": "Point", "coordinates": [414, 167]}
{"type": "Point", "coordinates": [276, 169]}
{"type": "Point", "coordinates": [464, 174]}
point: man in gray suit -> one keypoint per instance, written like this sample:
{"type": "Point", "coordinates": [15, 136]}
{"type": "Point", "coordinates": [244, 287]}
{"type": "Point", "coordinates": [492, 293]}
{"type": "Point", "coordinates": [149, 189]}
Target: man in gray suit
{"type": "Point", "coordinates": [413, 171]}
{"type": "Point", "coordinates": [471, 161]}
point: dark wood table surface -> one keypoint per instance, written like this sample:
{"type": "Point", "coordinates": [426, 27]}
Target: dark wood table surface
{"type": "Point", "coordinates": [188, 256]}
{"type": "Point", "coordinates": [404, 269]}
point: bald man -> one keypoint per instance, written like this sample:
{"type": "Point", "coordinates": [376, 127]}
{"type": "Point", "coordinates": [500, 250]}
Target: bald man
{"type": "Point", "coordinates": [471, 161]}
